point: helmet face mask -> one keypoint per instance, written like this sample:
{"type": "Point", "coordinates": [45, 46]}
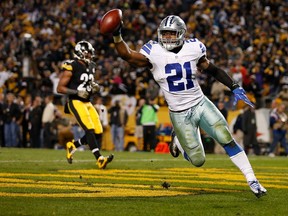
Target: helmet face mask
{"type": "Point", "coordinates": [84, 51]}
{"type": "Point", "coordinates": [171, 24]}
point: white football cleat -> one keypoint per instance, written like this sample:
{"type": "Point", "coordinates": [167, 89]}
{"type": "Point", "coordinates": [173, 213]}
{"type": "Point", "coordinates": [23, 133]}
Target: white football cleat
{"type": "Point", "coordinates": [257, 188]}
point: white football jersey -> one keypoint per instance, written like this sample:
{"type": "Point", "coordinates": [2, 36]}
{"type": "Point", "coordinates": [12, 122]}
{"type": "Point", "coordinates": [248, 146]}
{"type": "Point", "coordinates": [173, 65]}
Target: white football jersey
{"type": "Point", "coordinates": [176, 72]}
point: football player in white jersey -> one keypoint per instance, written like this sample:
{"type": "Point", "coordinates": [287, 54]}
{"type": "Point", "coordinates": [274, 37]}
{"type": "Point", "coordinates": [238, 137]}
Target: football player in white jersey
{"type": "Point", "coordinates": [174, 62]}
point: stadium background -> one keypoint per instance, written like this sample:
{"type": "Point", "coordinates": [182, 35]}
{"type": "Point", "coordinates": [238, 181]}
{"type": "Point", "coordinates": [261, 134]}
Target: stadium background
{"type": "Point", "coordinates": [245, 36]}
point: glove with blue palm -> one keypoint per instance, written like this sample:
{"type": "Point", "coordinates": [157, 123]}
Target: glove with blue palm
{"type": "Point", "coordinates": [240, 94]}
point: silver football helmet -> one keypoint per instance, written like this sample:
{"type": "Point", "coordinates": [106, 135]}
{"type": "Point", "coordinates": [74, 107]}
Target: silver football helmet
{"type": "Point", "coordinates": [172, 23]}
{"type": "Point", "coordinates": [84, 51]}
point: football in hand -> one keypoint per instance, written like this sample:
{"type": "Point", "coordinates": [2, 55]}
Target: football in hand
{"type": "Point", "coordinates": [111, 21]}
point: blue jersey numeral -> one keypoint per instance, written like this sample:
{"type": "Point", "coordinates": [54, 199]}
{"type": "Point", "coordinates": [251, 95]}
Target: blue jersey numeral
{"type": "Point", "coordinates": [175, 86]}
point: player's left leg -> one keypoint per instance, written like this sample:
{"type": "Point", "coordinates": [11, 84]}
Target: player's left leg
{"type": "Point", "coordinates": [88, 119]}
{"type": "Point", "coordinates": [77, 109]}
{"type": "Point", "coordinates": [102, 161]}
{"type": "Point", "coordinates": [214, 124]}
{"type": "Point", "coordinates": [283, 143]}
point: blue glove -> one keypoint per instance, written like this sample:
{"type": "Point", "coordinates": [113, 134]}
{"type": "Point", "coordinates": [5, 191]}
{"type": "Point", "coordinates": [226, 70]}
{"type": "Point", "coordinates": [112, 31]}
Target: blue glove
{"type": "Point", "coordinates": [240, 94]}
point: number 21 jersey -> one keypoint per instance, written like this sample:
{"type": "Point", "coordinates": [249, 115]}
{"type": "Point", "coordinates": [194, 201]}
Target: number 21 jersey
{"type": "Point", "coordinates": [176, 72]}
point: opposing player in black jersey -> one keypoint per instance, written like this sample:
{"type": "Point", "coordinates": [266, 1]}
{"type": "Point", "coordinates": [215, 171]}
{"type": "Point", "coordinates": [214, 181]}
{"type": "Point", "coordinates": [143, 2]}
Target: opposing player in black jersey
{"type": "Point", "coordinates": [77, 81]}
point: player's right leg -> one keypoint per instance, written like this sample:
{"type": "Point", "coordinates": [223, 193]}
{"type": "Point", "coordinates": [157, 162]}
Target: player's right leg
{"type": "Point", "coordinates": [188, 137]}
{"type": "Point", "coordinates": [175, 147]}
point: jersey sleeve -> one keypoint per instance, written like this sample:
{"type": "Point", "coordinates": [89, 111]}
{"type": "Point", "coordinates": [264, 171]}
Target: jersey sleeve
{"type": "Point", "coordinates": [146, 48]}
{"type": "Point", "coordinates": [67, 65]}
{"type": "Point", "coordinates": [202, 50]}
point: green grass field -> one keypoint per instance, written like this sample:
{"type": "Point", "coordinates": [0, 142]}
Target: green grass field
{"type": "Point", "coordinates": [41, 182]}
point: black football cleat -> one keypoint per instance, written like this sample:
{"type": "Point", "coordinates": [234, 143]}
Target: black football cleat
{"type": "Point", "coordinates": [174, 151]}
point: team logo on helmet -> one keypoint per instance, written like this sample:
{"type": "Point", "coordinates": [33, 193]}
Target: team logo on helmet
{"type": "Point", "coordinates": [175, 24]}
{"type": "Point", "coordinates": [84, 51]}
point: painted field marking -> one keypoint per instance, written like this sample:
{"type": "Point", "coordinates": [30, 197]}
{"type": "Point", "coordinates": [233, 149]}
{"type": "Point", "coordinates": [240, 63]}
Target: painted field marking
{"type": "Point", "coordinates": [131, 183]}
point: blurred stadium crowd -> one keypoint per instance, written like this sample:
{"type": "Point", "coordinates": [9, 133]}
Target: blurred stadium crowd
{"type": "Point", "coordinates": [247, 38]}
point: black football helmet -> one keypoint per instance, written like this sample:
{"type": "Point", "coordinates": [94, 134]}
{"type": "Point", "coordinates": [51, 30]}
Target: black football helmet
{"type": "Point", "coordinates": [84, 51]}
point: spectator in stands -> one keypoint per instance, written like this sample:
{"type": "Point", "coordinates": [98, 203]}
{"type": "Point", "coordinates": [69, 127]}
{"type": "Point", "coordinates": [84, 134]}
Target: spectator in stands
{"type": "Point", "coordinates": [4, 76]}
{"type": "Point", "coordinates": [46, 85]}
{"type": "Point", "coordinates": [25, 123]}
{"type": "Point", "coordinates": [217, 91]}
{"type": "Point", "coordinates": [55, 77]}
{"type": "Point", "coordinates": [249, 129]}
{"type": "Point", "coordinates": [139, 127]}
{"type": "Point", "coordinates": [11, 119]}
{"type": "Point", "coordinates": [35, 118]}
{"type": "Point", "coordinates": [47, 119]}
{"type": "Point", "coordinates": [278, 123]}
{"type": "Point", "coordinates": [222, 108]}
{"type": "Point", "coordinates": [64, 132]}
{"type": "Point", "coordinates": [237, 75]}
{"type": "Point", "coordinates": [149, 120]}
{"type": "Point", "coordinates": [117, 122]}
{"type": "Point", "coordinates": [283, 95]}
{"type": "Point", "coordinates": [2, 139]}
{"type": "Point", "coordinates": [152, 89]}
{"type": "Point", "coordinates": [256, 90]}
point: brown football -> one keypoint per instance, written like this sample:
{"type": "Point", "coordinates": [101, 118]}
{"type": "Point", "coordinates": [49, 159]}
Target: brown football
{"type": "Point", "coordinates": [110, 21]}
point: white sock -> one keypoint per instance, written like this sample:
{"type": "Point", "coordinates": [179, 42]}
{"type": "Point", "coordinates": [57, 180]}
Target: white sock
{"type": "Point", "coordinates": [242, 162]}
{"type": "Point", "coordinates": [94, 150]}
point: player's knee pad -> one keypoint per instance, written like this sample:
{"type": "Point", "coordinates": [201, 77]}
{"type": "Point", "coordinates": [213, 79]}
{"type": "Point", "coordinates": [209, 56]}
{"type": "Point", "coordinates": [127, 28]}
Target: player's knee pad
{"type": "Point", "coordinates": [197, 160]}
{"type": "Point", "coordinates": [197, 157]}
{"type": "Point", "coordinates": [222, 133]}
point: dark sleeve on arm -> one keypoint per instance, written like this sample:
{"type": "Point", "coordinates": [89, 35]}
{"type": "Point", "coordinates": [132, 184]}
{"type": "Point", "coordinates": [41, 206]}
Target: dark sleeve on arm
{"type": "Point", "coordinates": [272, 121]}
{"type": "Point", "coordinates": [221, 76]}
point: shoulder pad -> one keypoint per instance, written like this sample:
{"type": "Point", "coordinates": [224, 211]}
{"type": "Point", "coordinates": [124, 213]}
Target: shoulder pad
{"type": "Point", "coordinates": [191, 40]}
{"type": "Point", "coordinates": [197, 43]}
{"type": "Point", "coordinates": [148, 46]}
{"type": "Point", "coordinates": [152, 42]}
{"type": "Point", "coordinates": [67, 65]}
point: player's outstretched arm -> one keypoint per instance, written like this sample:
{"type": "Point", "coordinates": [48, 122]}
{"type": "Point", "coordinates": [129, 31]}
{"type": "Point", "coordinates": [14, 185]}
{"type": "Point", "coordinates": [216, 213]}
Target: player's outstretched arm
{"type": "Point", "coordinates": [219, 74]}
{"type": "Point", "coordinates": [126, 53]}
{"type": "Point", "coordinates": [63, 89]}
